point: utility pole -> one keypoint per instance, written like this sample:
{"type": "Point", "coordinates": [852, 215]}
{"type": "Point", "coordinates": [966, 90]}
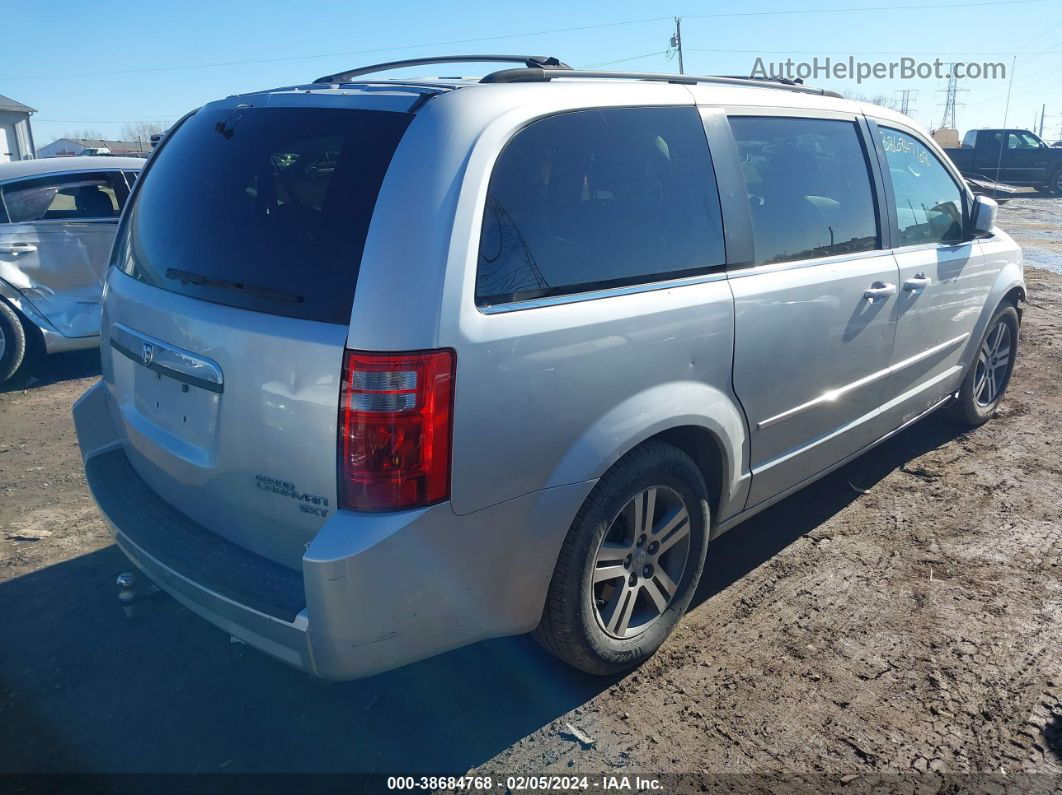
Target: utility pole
{"type": "Point", "coordinates": [676, 43]}
{"type": "Point", "coordinates": [906, 95]}
{"type": "Point", "coordinates": [1043, 109]}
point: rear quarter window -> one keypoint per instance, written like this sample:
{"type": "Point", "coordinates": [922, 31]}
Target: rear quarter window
{"type": "Point", "coordinates": [596, 199]}
{"type": "Point", "coordinates": [264, 209]}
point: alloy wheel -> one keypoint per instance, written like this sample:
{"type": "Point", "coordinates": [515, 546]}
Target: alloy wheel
{"type": "Point", "coordinates": [993, 365]}
{"type": "Point", "coordinates": [640, 562]}
{"type": "Point", "coordinates": [3, 343]}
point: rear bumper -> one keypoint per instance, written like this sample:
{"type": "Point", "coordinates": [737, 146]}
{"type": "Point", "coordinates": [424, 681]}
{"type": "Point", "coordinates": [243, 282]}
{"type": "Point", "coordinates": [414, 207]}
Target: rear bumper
{"type": "Point", "coordinates": [376, 591]}
{"type": "Point", "coordinates": [287, 641]}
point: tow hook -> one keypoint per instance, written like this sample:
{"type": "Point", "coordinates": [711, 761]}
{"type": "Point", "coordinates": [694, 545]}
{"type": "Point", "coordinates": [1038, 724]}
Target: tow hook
{"type": "Point", "coordinates": [133, 591]}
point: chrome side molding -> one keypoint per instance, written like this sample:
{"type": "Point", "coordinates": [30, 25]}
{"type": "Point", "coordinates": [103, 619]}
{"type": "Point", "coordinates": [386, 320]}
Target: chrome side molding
{"type": "Point", "coordinates": [833, 395]}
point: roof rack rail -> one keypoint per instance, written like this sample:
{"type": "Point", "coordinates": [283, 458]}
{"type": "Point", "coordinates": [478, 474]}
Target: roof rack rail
{"type": "Point", "coordinates": [534, 74]}
{"type": "Point", "coordinates": [783, 80]}
{"type": "Point", "coordinates": [538, 62]}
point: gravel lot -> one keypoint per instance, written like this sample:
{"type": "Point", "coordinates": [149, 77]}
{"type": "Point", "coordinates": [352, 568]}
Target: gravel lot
{"type": "Point", "coordinates": [914, 627]}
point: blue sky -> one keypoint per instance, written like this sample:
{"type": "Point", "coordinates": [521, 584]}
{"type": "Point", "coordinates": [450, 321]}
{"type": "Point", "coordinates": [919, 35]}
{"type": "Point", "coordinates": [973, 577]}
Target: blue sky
{"type": "Point", "coordinates": [55, 52]}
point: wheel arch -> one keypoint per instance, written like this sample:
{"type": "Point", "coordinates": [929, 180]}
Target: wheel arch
{"type": "Point", "coordinates": [704, 422]}
{"type": "Point", "coordinates": [1009, 287]}
{"type": "Point", "coordinates": [1016, 296]}
{"type": "Point", "coordinates": [707, 453]}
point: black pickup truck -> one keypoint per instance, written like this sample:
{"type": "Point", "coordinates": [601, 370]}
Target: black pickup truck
{"type": "Point", "coordinates": [1023, 159]}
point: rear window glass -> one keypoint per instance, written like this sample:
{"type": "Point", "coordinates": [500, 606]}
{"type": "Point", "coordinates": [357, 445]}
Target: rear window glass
{"type": "Point", "coordinates": [809, 187]}
{"type": "Point", "coordinates": [599, 198]}
{"type": "Point", "coordinates": [262, 208]}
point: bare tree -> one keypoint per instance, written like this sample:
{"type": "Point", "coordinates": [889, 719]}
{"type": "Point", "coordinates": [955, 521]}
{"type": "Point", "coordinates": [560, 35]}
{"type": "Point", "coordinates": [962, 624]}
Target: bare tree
{"type": "Point", "coordinates": [87, 134]}
{"type": "Point", "coordinates": [141, 131]}
{"type": "Point", "coordinates": [877, 99]}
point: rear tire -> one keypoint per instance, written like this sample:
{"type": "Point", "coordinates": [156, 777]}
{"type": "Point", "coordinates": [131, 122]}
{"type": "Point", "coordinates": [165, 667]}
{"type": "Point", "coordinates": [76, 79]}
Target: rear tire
{"type": "Point", "coordinates": [630, 564]}
{"type": "Point", "coordinates": [989, 374]}
{"type": "Point", "coordinates": [12, 342]}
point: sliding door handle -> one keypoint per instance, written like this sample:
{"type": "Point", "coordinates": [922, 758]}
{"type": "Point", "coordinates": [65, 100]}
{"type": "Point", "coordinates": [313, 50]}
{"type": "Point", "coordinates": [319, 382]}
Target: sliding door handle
{"type": "Point", "coordinates": [917, 282]}
{"type": "Point", "coordinates": [879, 290]}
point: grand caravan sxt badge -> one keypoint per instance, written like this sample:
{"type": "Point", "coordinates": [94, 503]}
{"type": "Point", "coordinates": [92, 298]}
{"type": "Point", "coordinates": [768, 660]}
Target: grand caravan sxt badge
{"type": "Point", "coordinates": [308, 503]}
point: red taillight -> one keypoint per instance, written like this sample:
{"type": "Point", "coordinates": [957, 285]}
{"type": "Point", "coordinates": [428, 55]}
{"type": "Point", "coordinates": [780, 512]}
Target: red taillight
{"type": "Point", "coordinates": [394, 429]}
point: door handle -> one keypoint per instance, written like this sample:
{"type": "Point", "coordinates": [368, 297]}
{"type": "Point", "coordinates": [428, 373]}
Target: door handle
{"type": "Point", "coordinates": [917, 282]}
{"type": "Point", "coordinates": [18, 248]}
{"type": "Point", "coordinates": [879, 290]}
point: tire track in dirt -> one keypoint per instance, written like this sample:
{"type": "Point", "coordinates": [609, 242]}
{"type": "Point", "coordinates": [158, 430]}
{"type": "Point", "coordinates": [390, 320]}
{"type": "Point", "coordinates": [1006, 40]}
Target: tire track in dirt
{"type": "Point", "coordinates": [917, 627]}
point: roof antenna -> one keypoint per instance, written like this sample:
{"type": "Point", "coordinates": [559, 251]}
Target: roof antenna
{"type": "Point", "coordinates": [1003, 132]}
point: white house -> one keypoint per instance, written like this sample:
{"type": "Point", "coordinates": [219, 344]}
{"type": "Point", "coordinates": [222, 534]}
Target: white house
{"type": "Point", "coordinates": [16, 135]}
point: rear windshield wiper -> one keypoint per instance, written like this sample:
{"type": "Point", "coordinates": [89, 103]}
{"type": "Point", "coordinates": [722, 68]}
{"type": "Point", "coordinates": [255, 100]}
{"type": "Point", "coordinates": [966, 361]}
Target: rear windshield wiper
{"type": "Point", "coordinates": [189, 277]}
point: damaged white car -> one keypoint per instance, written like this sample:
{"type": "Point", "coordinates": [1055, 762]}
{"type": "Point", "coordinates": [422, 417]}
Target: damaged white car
{"type": "Point", "coordinates": [58, 218]}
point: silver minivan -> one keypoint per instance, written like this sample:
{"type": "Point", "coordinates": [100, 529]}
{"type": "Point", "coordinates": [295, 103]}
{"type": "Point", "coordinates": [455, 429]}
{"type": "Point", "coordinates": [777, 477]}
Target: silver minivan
{"type": "Point", "coordinates": [393, 366]}
{"type": "Point", "coordinates": [58, 218]}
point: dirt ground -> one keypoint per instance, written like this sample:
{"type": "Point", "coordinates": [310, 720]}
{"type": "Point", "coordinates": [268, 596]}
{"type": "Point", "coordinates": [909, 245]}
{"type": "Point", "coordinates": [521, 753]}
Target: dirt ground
{"type": "Point", "coordinates": [914, 627]}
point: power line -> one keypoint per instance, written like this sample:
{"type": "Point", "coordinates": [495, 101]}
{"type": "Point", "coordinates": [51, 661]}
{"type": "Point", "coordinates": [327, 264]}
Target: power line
{"type": "Point", "coordinates": [1042, 73]}
{"type": "Point", "coordinates": [904, 93]}
{"type": "Point", "coordinates": [1033, 84]}
{"type": "Point", "coordinates": [625, 60]}
{"type": "Point", "coordinates": [110, 121]}
{"type": "Point", "coordinates": [1043, 88]}
{"type": "Point", "coordinates": [599, 26]}
{"type": "Point", "coordinates": [1030, 83]}
{"type": "Point", "coordinates": [805, 11]}
{"type": "Point", "coordinates": [370, 51]}
{"type": "Point", "coordinates": [1037, 38]}
{"type": "Point", "coordinates": [875, 52]}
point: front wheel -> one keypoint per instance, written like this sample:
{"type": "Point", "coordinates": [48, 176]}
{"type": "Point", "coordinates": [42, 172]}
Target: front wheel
{"type": "Point", "coordinates": [630, 563]}
{"type": "Point", "coordinates": [987, 379]}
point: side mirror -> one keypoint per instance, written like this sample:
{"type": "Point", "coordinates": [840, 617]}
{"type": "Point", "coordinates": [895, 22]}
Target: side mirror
{"type": "Point", "coordinates": [983, 216]}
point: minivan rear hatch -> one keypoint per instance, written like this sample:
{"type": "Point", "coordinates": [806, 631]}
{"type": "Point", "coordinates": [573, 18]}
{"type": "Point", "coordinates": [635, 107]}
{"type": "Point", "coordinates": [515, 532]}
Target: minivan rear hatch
{"type": "Point", "coordinates": [226, 318]}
